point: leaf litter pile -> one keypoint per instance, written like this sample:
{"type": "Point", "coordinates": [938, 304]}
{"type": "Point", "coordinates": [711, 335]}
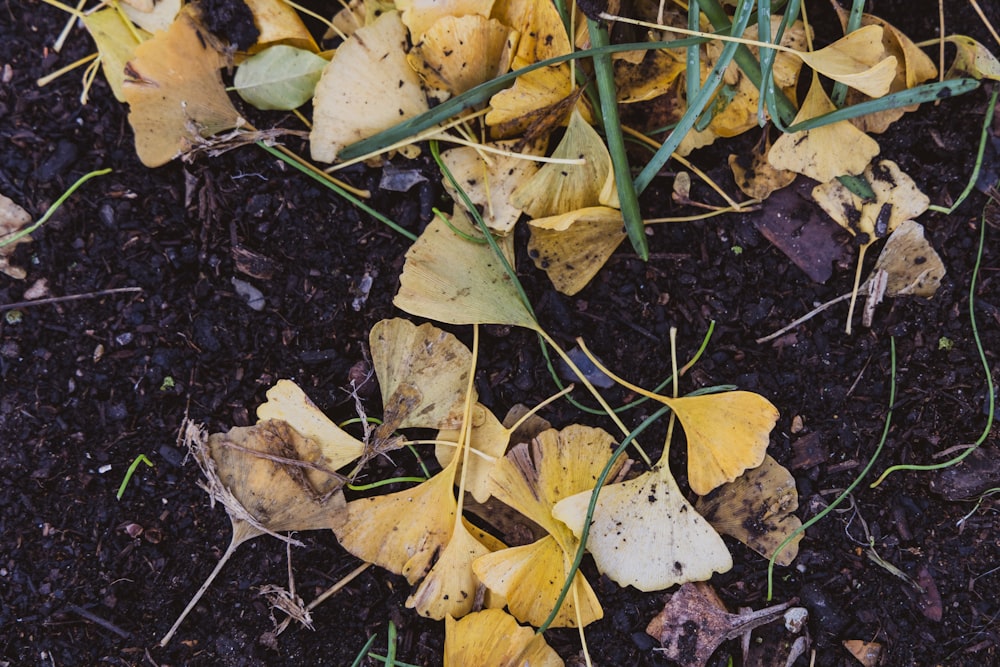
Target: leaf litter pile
{"type": "Point", "coordinates": [524, 107]}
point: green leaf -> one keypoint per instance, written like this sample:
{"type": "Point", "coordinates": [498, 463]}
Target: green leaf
{"type": "Point", "coordinates": [279, 77]}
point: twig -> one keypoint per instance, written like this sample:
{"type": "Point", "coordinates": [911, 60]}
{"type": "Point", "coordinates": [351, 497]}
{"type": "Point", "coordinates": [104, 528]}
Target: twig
{"type": "Point", "coordinates": [94, 618]}
{"type": "Point", "coordinates": [68, 297]}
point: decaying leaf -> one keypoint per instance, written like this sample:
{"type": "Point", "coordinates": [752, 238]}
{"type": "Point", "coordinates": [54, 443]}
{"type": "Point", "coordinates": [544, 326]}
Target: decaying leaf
{"type": "Point", "coordinates": [755, 176]}
{"type": "Point", "coordinates": [116, 44]}
{"type": "Point", "coordinates": [493, 638]}
{"type": "Point", "coordinates": [757, 509]}
{"type": "Point", "coordinates": [532, 478]}
{"type": "Point", "coordinates": [12, 219]}
{"type": "Point", "coordinates": [912, 264]}
{"type": "Point", "coordinates": [651, 76]}
{"type": "Point", "coordinates": [288, 403]}
{"type": "Point", "coordinates": [175, 93]}
{"type": "Point", "coordinates": [972, 59]}
{"type": "Point", "coordinates": [257, 473]}
{"type": "Point", "coordinates": [560, 188]}
{"type": "Point", "coordinates": [424, 374]}
{"type": "Point", "coordinates": [279, 23]}
{"type": "Point", "coordinates": [537, 98]}
{"type": "Point", "coordinates": [490, 179]}
{"type": "Point", "coordinates": [279, 77]}
{"type": "Point", "coordinates": [868, 654]}
{"type": "Point", "coordinates": [367, 87]}
{"type": "Point", "coordinates": [451, 279]}
{"type": "Point", "coordinates": [645, 534]}
{"type": "Point", "coordinates": [457, 53]}
{"type": "Point", "coordinates": [694, 623]}
{"type": "Point", "coordinates": [822, 153]}
{"type": "Point", "coordinates": [571, 248]}
{"type": "Point", "coordinates": [857, 59]}
{"type": "Point", "coordinates": [540, 30]}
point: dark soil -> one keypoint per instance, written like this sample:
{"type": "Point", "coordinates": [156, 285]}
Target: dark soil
{"type": "Point", "coordinates": [88, 385]}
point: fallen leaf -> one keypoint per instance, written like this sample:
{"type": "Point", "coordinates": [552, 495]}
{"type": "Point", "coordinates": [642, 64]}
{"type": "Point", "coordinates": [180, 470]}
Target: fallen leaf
{"type": "Point", "coordinates": [12, 219]}
{"type": "Point", "coordinates": [423, 373]}
{"type": "Point", "coordinates": [912, 264]}
{"type": "Point", "coordinates": [287, 402]}
{"type": "Point", "coordinates": [493, 638]}
{"type": "Point", "coordinates": [858, 60]}
{"type": "Point", "coordinates": [457, 53]}
{"type": "Point", "coordinates": [757, 508]}
{"type": "Point", "coordinates": [152, 16]}
{"type": "Point", "coordinates": [652, 75]}
{"type": "Point", "coordinates": [279, 23]}
{"type": "Point", "coordinates": [755, 176]}
{"type": "Point", "coordinates": [367, 87]}
{"type": "Point", "coordinates": [822, 153]}
{"type": "Point", "coordinates": [972, 59]}
{"type": "Point", "coordinates": [571, 248]}
{"type": "Point", "coordinates": [490, 179]}
{"type": "Point", "coordinates": [694, 623]}
{"type": "Point", "coordinates": [532, 478]}
{"type": "Point", "coordinates": [560, 188]}
{"type": "Point", "coordinates": [451, 279]}
{"type": "Point", "coordinates": [116, 43]}
{"type": "Point", "coordinates": [279, 77]}
{"type": "Point", "coordinates": [175, 93]}
{"type": "Point", "coordinates": [645, 534]}
{"type": "Point", "coordinates": [538, 97]}
{"type": "Point", "coordinates": [420, 15]}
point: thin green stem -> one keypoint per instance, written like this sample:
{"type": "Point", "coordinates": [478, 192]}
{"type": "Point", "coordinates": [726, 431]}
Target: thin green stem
{"type": "Point", "coordinates": [847, 492]}
{"type": "Point", "coordinates": [974, 178]}
{"type": "Point", "coordinates": [14, 238]}
{"type": "Point", "coordinates": [131, 471]}
{"type": "Point", "coordinates": [341, 192]}
{"type": "Point", "coordinates": [990, 395]}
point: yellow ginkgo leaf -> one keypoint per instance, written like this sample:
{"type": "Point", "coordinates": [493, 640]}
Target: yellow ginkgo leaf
{"type": "Point", "coordinates": [858, 60]}
{"type": "Point", "coordinates": [490, 179]}
{"type": "Point", "coordinates": [653, 75]}
{"type": "Point", "coordinates": [645, 534]}
{"type": "Point", "coordinates": [572, 248]}
{"type": "Point", "coordinates": [972, 59]}
{"type": "Point", "coordinates": [822, 153]}
{"type": "Point", "coordinates": [488, 442]}
{"type": "Point", "coordinates": [911, 264]}
{"type": "Point", "coordinates": [278, 23]}
{"type": "Point", "coordinates": [449, 589]}
{"type": "Point", "coordinates": [116, 44]}
{"type": "Point", "coordinates": [541, 96]}
{"type": "Point", "coordinates": [457, 53]}
{"type": "Point", "coordinates": [493, 638]}
{"type": "Point", "coordinates": [755, 176]}
{"type": "Point", "coordinates": [539, 27]}
{"type": "Point", "coordinates": [897, 198]}
{"type": "Point", "coordinates": [419, 15]}
{"type": "Point", "coordinates": [531, 577]}
{"type": "Point", "coordinates": [151, 15]}
{"type": "Point", "coordinates": [367, 87]}
{"type": "Point", "coordinates": [451, 279]}
{"type": "Point", "coordinates": [403, 532]}
{"type": "Point", "coordinates": [561, 188]}
{"type": "Point", "coordinates": [534, 476]}
{"type": "Point", "coordinates": [726, 433]}
{"type": "Point", "coordinates": [758, 510]}
{"type": "Point", "coordinates": [288, 403]}
{"type": "Point", "coordinates": [423, 373]}
{"type": "Point", "coordinates": [175, 93]}
{"type": "Point", "coordinates": [255, 465]}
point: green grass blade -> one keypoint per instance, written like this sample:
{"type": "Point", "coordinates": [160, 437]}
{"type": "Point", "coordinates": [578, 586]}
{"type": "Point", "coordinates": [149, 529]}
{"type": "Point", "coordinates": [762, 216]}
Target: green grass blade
{"type": "Point", "coordinates": [627, 196]}
{"type": "Point", "coordinates": [744, 11]}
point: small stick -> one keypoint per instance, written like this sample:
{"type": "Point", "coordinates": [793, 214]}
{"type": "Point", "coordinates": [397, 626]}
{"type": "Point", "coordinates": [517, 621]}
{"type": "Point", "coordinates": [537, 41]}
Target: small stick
{"type": "Point", "coordinates": [68, 297]}
{"type": "Point", "coordinates": [94, 618]}
{"type": "Point", "coordinates": [808, 316]}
